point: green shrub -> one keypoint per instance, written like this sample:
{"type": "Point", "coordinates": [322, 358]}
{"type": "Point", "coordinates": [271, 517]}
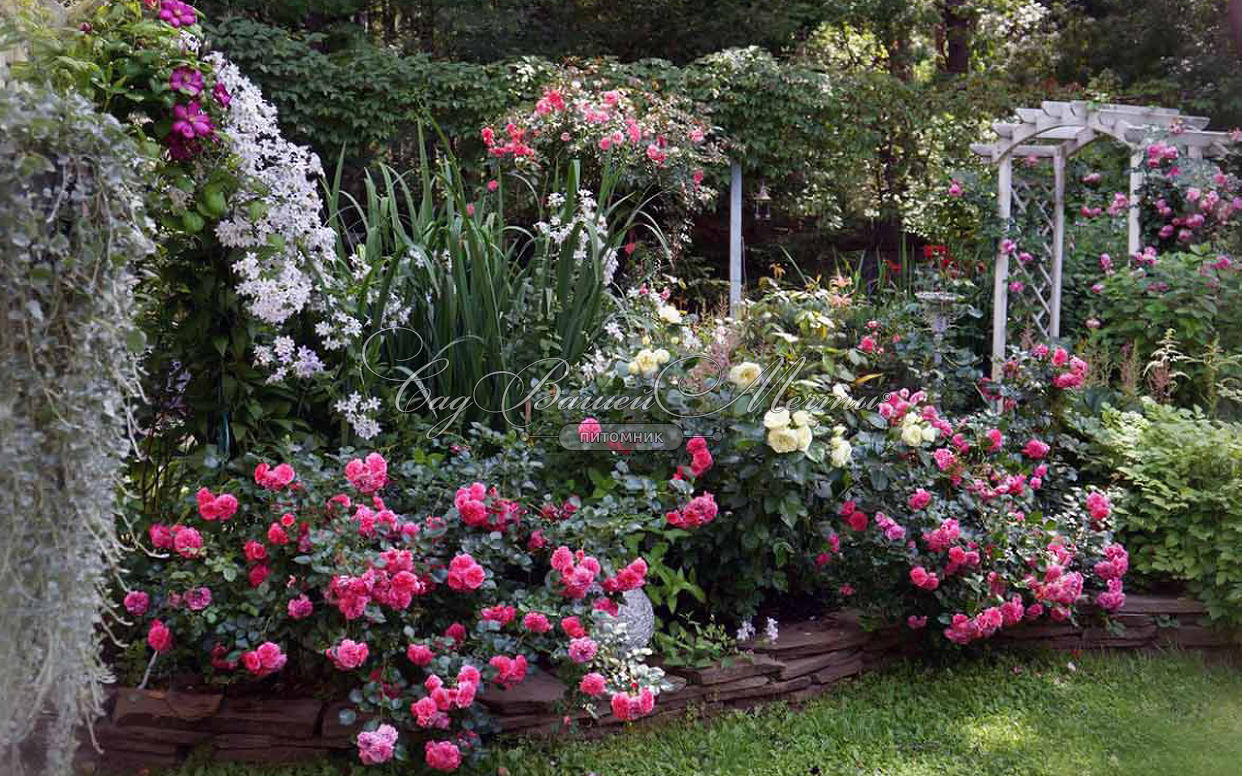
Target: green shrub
{"type": "Point", "coordinates": [1182, 512]}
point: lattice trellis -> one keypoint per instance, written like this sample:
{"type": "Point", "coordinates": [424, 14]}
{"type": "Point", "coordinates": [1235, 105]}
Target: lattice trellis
{"type": "Point", "coordinates": [1055, 132]}
{"type": "Point", "coordinates": [1031, 201]}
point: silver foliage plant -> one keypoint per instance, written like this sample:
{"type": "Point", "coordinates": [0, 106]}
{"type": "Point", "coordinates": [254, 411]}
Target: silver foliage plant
{"type": "Point", "coordinates": [72, 220]}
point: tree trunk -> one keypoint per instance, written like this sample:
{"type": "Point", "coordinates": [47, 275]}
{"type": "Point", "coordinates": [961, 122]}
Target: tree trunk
{"type": "Point", "coordinates": [957, 37]}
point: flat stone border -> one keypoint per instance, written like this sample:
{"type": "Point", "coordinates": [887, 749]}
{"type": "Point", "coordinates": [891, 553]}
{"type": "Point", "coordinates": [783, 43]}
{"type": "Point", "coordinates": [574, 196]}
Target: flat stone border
{"type": "Point", "coordinates": [156, 728]}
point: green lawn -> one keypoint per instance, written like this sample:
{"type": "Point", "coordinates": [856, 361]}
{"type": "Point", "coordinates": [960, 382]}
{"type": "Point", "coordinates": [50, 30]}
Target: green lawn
{"type": "Point", "coordinates": [1126, 715]}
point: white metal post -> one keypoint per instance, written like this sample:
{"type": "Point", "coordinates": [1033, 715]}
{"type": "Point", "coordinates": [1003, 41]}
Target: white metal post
{"type": "Point", "coordinates": [1058, 240]}
{"type": "Point", "coordinates": [1000, 287]}
{"type": "Point", "coordinates": [735, 240]}
{"type": "Point", "coordinates": [1136, 183]}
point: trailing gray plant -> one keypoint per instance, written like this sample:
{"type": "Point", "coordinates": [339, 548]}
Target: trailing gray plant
{"type": "Point", "coordinates": [72, 215]}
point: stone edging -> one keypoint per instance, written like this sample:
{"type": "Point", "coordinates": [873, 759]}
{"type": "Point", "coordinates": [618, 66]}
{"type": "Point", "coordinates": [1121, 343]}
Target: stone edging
{"type": "Point", "coordinates": [153, 728]}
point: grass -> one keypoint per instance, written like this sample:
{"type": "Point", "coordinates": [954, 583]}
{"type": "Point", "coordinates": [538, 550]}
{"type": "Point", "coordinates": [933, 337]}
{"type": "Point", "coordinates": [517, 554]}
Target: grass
{"type": "Point", "coordinates": [1126, 715]}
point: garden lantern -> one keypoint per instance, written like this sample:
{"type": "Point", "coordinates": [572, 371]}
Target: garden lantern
{"type": "Point", "coordinates": [763, 203]}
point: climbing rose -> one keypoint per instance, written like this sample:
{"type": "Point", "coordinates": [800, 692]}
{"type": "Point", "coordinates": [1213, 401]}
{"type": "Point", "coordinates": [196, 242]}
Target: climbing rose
{"type": "Point", "coordinates": [1098, 506]}
{"type": "Point", "coordinates": [582, 649]}
{"type": "Point", "coordinates": [159, 636]}
{"type": "Point", "coordinates": [464, 574]}
{"type": "Point", "coordinates": [212, 507]}
{"type": "Point", "coordinates": [375, 747]}
{"type": "Point", "coordinates": [536, 623]}
{"type": "Point", "coordinates": [367, 475]}
{"type": "Point", "coordinates": [1035, 449]}
{"type": "Point", "coordinates": [273, 478]}
{"type": "Point", "coordinates": [919, 499]}
{"type": "Point", "coordinates": [589, 430]}
{"type": "Point", "coordinates": [924, 579]}
{"type": "Point", "coordinates": [187, 542]}
{"type": "Point", "coordinates": [627, 707]}
{"type": "Point", "coordinates": [442, 755]}
{"type": "Point", "coordinates": [593, 684]}
{"type": "Point", "coordinates": [419, 654]}
{"type": "Point", "coordinates": [509, 671]}
{"type": "Point", "coordinates": [198, 598]}
{"type": "Point", "coordinates": [348, 654]}
{"type": "Point", "coordinates": [300, 607]}
{"type": "Point", "coordinates": [915, 623]}
{"type": "Point", "coordinates": [266, 659]}
{"type": "Point", "coordinates": [136, 602]}
{"type": "Point", "coordinates": [573, 627]}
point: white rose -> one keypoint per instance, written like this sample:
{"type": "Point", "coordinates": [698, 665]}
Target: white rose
{"type": "Point", "coordinates": [841, 452]}
{"type": "Point", "coordinates": [805, 436]}
{"type": "Point", "coordinates": [774, 419]}
{"type": "Point", "coordinates": [744, 374]}
{"type": "Point", "coordinates": [661, 356]}
{"type": "Point", "coordinates": [669, 314]}
{"type": "Point", "coordinates": [912, 435]}
{"type": "Point", "coordinates": [929, 434]}
{"type": "Point", "coordinates": [783, 439]}
{"type": "Point", "coordinates": [804, 418]}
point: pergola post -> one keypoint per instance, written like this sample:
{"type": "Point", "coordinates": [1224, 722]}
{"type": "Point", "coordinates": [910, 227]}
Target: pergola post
{"type": "Point", "coordinates": [1058, 241]}
{"type": "Point", "coordinates": [1000, 286]}
{"type": "Point", "coordinates": [735, 239]}
{"type": "Point", "coordinates": [1134, 243]}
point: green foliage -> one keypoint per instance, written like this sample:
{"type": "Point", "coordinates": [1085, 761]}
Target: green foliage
{"type": "Point", "coordinates": [71, 192]}
{"type": "Point", "coordinates": [1181, 515]}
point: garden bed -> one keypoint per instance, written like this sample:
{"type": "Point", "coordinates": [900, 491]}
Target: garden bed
{"type": "Point", "coordinates": [158, 728]}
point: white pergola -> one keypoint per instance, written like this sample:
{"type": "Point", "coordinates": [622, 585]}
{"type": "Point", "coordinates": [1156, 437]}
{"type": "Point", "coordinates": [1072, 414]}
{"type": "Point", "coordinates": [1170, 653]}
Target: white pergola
{"type": "Point", "coordinates": [1054, 132]}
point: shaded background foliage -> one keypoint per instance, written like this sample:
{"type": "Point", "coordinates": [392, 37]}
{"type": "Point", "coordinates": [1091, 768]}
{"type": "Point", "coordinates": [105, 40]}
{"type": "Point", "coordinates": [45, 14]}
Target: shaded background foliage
{"type": "Point", "coordinates": [850, 111]}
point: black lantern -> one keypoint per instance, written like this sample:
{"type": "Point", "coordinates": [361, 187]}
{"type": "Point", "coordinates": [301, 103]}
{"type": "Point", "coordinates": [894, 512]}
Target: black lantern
{"type": "Point", "coordinates": [763, 203]}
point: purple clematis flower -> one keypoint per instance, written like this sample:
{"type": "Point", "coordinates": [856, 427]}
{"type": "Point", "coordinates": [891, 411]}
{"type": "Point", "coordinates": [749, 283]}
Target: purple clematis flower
{"type": "Point", "coordinates": [177, 14]}
{"type": "Point", "coordinates": [221, 94]}
{"type": "Point", "coordinates": [189, 121]}
{"type": "Point", "coordinates": [187, 81]}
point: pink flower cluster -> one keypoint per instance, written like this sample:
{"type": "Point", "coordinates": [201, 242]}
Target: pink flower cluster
{"type": "Point", "coordinates": [266, 659]}
{"type": "Point", "coordinates": [854, 517]}
{"type": "Point", "coordinates": [442, 756]}
{"type": "Point", "coordinates": [628, 707]}
{"type": "Point", "coordinates": [700, 456]}
{"type": "Point", "coordinates": [377, 746]}
{"type": "Point", "coordinates": [348, 655]}
{"type": "Point", "coordinates": [464, 574]}
{"type": "Point", "coordinates": [509, 670]}
{"type": "Point", "coordinates": [578, 571]}
{"type": "Point", "coordinates": [699, 512]}
{"type": "Point", "coordinates": [367, 475]}
{"type": "Point", "coordinates": [273, 478]}
{"type": "Point", "coordinates": [212, 507]}
{"type": "Point", "coordinates": [1098, 506]}
{"type": "Point", "coordinates": [479, 507]}
{"type": "Point", "coordinates": [631, 577]}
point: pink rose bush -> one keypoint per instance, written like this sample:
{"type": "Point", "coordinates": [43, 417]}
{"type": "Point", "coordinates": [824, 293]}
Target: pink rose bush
{"type": "Point", "coordinates": [984, 531]}
{"type": "Point", "coordinates": [425, 599]}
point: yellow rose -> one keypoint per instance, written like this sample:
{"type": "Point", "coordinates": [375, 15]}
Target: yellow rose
{"type": "Point", "coordinates": [774, 419]}
{"type": "Point", "coordinates": [645, 363]}
{"type": "Point", "coordinates": [744, 374]}
{"type": "Point", "coordinates": [783, 440]}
